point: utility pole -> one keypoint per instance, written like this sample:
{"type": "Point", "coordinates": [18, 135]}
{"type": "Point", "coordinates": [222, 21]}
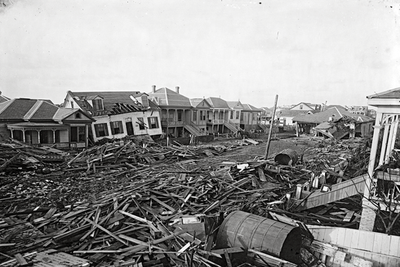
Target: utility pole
{"type": "Point", "coordinates": [270, 128]}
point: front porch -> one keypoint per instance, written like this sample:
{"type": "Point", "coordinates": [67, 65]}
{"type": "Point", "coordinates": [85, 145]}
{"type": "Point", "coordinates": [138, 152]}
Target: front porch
{"type": "Point", "coordinates": [53, 135]}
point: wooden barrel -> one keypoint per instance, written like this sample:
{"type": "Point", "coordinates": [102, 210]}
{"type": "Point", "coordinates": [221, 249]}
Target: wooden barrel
{"type": "Point", "coordinates": [287, 156]}
{"type": "Point", "coordinates": [241, 229]}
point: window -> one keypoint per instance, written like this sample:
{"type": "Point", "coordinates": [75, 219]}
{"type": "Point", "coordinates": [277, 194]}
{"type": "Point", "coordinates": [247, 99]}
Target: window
{"type": "Point", "coordinates": [141, 123]}
{"type": "Point", "coordinates": [101, 129]}
{"type": "Point", "coordinates": [98, 104]}
{"type": "Point", "coordinates": [153, 122]}
{"type": "Point", "coordinates": [237, 115]}
{"type": "Point", "coordinates": [179, 115]}
{"type": "Point", "coordinates": [171, 116]}
{"type": "Point", "coordinates": [301, 106]}
{"type": "Point", "coordinates": [77, 115]}
{"type": "Point", "coordinates": [221, 115]}
{"type": "Point", "coordinates": [116, 127]}
{"type": "Point", "coordinates": [202, 115]}
{"type": "Point", "coordinates": [194, 115]}
{"type": "Point", "coordinates": [232, 115]}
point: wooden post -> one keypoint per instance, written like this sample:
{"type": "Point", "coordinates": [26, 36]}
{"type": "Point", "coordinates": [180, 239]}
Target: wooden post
{"type": "Point", "coordinates": [270, 128]}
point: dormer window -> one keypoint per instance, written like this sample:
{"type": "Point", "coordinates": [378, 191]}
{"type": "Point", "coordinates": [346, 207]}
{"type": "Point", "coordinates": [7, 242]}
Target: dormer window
{"type": "Point", "coordinates": [98, 104]}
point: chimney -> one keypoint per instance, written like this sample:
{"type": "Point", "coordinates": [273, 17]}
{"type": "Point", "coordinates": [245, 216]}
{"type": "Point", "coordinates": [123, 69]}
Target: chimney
{"type": "Point", "coordinates": [153, 87]}
{"type": "Point", "coordinates": [177, 89]}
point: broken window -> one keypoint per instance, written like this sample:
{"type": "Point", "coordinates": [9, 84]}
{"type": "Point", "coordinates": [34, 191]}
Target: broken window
{"type": "Point", "coordinates": [142, 125]}
{"type": "Point", "coordinates": [116, 127]}
{"type": "Point", "coordinates": [153, 122]}
{"type": "Point", "coordinates": [101, 129]}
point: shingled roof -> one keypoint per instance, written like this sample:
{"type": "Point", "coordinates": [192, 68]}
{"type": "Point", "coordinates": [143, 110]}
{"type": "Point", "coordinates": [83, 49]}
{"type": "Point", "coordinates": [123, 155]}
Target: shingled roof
{"type": "Point", "coordinates": [115, 102]}
{"type": "Point", "coordinates": [217, 102]}
{"type": "Point", "coordinates": [32, 110]}
{"type": "Point", "coordinates": [334, 113]}
{"type": "Point", "coordinates": [168, 97]}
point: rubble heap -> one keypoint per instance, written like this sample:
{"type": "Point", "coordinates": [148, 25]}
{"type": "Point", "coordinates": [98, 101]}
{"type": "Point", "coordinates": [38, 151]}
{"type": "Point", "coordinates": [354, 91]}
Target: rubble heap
{"type": "Point", "coordinates": [124, 203]}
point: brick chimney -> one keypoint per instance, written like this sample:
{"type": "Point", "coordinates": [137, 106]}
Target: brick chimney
{"type": "Point", "coordinates": [177, 89]}
{"type": "Point", "coordinates": [153, 87]}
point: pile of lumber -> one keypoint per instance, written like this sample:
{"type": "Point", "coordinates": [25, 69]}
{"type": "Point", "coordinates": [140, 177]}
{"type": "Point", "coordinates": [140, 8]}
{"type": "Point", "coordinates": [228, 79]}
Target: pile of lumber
{"type": "Point", "coordinates": [130, 204]}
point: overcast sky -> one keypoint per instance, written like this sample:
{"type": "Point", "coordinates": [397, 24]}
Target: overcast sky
{"type": "Point", "coordinates": [337, 51]}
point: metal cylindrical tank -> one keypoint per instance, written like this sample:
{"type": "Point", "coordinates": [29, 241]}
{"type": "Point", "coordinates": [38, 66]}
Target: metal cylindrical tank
{"type": "Point", "coordinates": [242, 229]}
{"type": "Point", "coordinates": [287, 156]}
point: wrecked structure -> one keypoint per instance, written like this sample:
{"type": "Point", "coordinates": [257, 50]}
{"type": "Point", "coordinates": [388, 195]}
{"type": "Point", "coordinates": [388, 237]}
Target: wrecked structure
{"type": "Point", "coordinates": [137, 203]}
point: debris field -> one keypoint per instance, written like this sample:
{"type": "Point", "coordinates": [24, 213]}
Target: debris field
{"type": "Point", "coordinates": [137, 203]}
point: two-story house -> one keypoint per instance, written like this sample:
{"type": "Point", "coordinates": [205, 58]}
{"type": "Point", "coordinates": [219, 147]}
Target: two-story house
{"type": "Point", "coordinates": [200, 113]}
{"type": "Point", "coordinates": [235, 112]}
{"type": "Point", "coordinates": [40, 122]}
{"type": "Point", "coordinates": [218, 117]}
{"type": "Point", "coordinates": [249, 117]}
{"type": "Point", "coordinates": [117, 114]}
{"type": "Point", "coordinates": [176, 112]}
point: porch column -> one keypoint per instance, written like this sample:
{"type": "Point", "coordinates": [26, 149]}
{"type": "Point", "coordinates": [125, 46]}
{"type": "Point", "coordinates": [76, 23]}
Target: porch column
{"type": "Point", "coordinates": [86, 135]}
{"type": "Point", "coordinates": [23, 136]}
{"type": "Point", "coordinates": [384, 142]}
{"type": "Point", "coordinates": [368, 214]}
{"type": "Point", "coordinates": [38, 132]}
{"type": "Point", "coordinates": [54, 136]}
{"type": "Point", "coordinates": [392, 138]}
{"type": "Point", "coordinates": [12, 133]}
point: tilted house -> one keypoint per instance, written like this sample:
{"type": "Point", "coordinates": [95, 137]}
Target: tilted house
{"type": "Point", "coordinates": [176, 112]}
{"type": "Point", "coordinates": [117, 114]}
{"type": "Point", "coordinates": [40, 122]}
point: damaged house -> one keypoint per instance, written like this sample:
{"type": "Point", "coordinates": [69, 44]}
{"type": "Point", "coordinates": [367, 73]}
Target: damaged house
{"type": "Point", "coordinates": [117, 114]}
{"type": "Point", "coordinates": [40, 122]}
{"type": "Point", "coordinates": [334, 123]}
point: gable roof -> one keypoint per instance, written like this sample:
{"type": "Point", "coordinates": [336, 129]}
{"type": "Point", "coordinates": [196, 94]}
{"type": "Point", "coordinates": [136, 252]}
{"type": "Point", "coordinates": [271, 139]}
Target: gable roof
{"type": "Point", "coordinates": [235, 104]}
{"type": "Point", "coordinates": [32, 110]}
{"type": "Point", "coordinates": [114, 102]}
{"type": "Point", "coordinates": [309, 105]}
{"type": "Point", "coordinates": [248, 107]}
{"type": "Point", "coordinates": [335, 106]}
{"type": "Point", "coordinates": [168, 97]}
{"type": "Point", "coordinates": [392, 93]}
{"type": "Point", "coordinates": [199, 103]}
{"type": "Point", "coordinates": [334, 113]}
{"type": "Point", "coordinates": [217, 102]}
